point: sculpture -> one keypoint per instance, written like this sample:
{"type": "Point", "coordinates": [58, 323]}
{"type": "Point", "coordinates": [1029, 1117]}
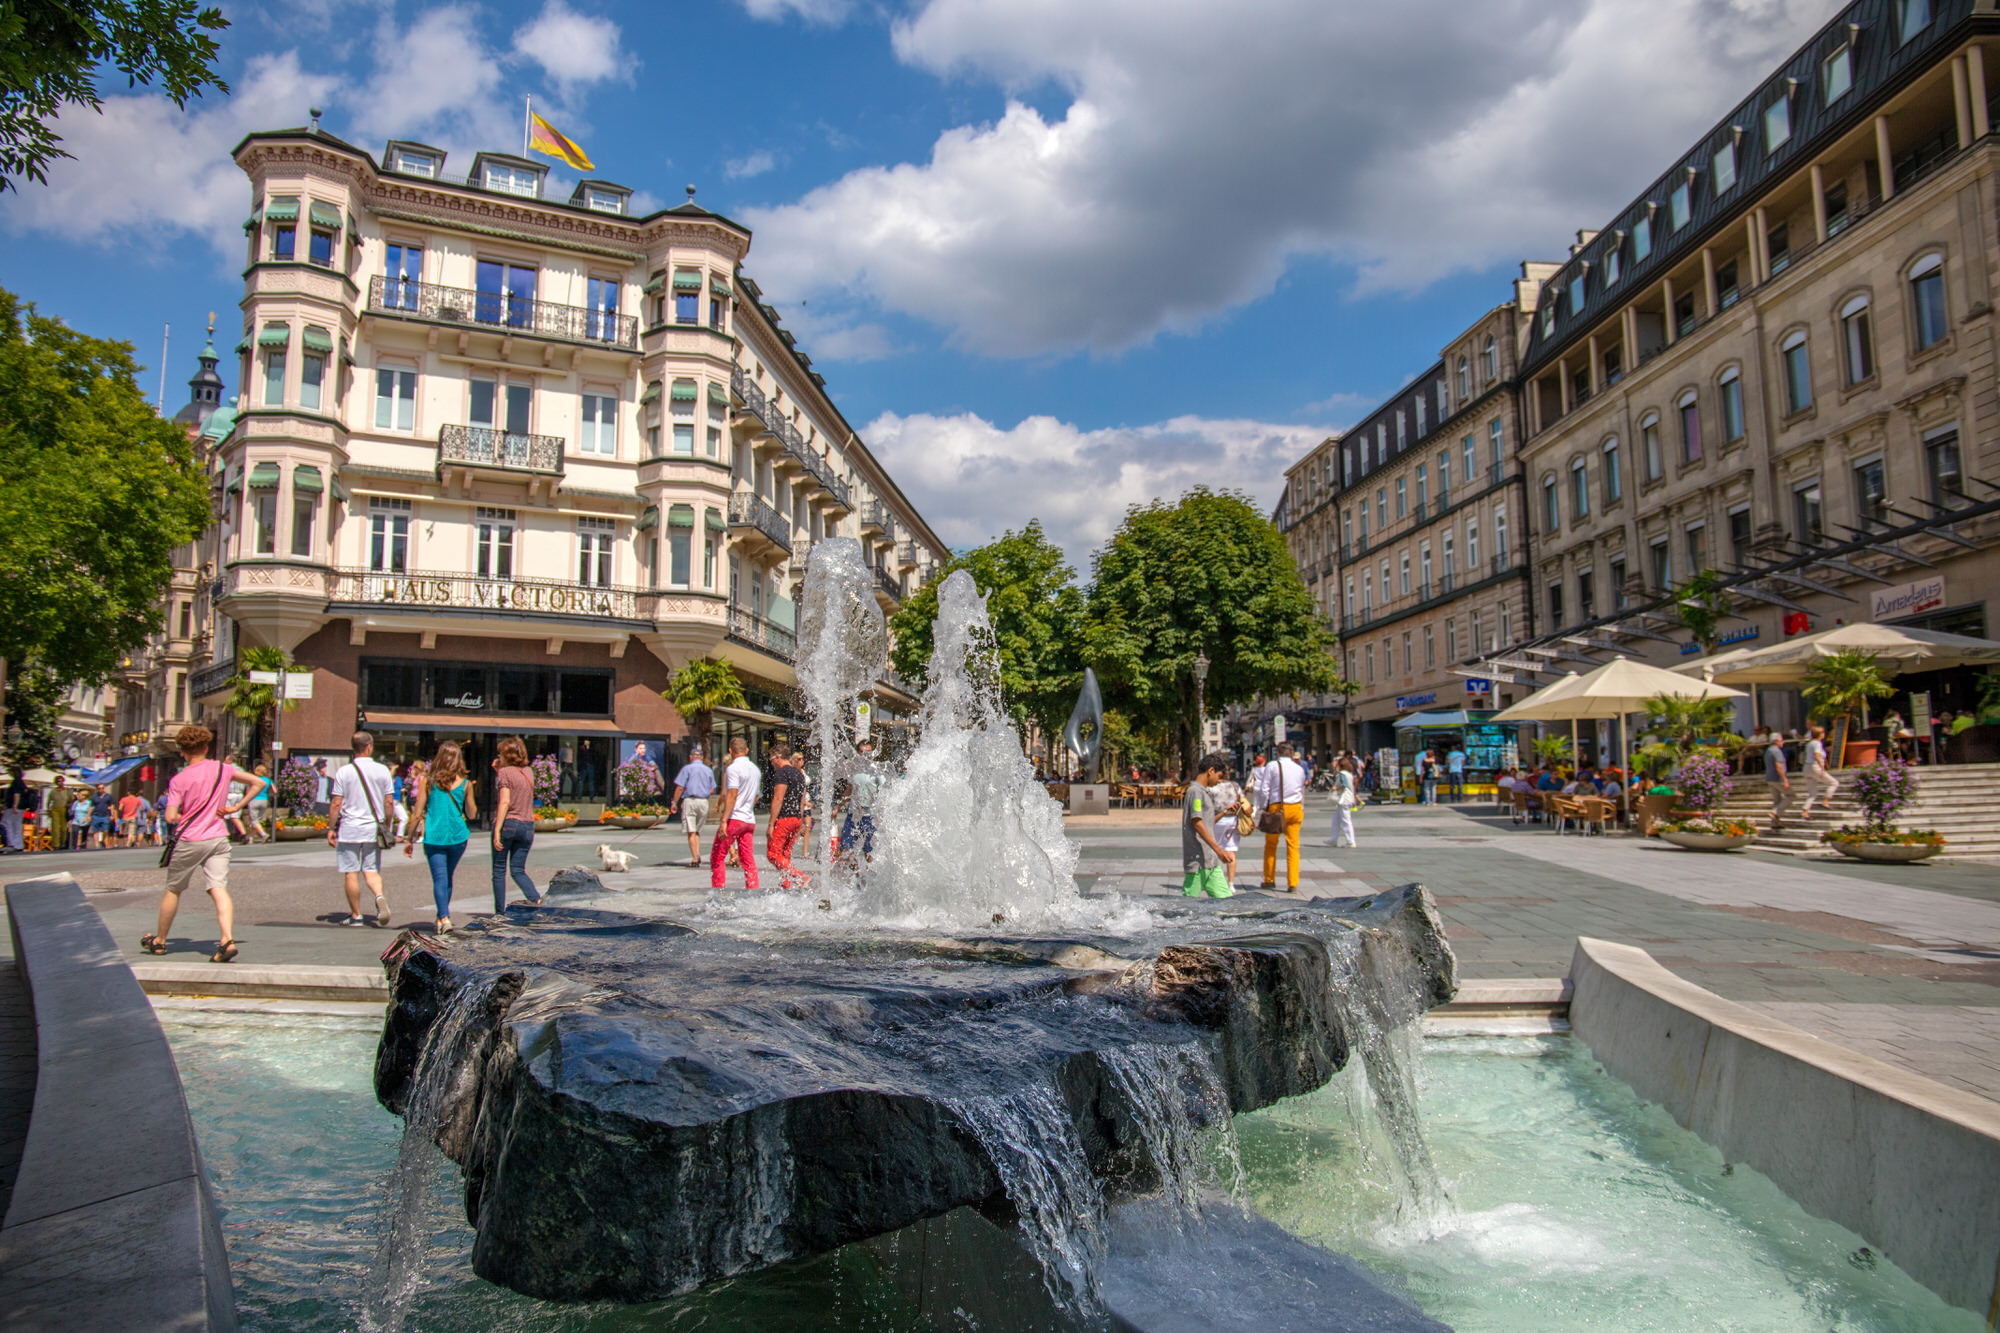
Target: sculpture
{"type": "Point", "coordinates": [1084, 732]}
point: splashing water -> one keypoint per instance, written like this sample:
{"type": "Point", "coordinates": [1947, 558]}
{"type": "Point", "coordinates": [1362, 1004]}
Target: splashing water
{"type": "Point", "coordinates": [1182, 1111]}
{"type": "Point", "coordinates": [843, 645]}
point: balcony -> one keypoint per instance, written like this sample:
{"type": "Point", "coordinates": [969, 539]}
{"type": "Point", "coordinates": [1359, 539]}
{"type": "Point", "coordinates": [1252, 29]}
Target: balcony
{"type": "Point", "coordinates": [504, 451]}
{"type": "Point", "coordinates": [888, 585]}
{"type": "Point", "coordinates": [783, 431]}
{"type": "Point", "coordinates": [761, 524]}
{"type": "Point", "coordinates": [211, 679]}
{"type": "Point", "coordinates": [876, 514]}
{"type": "Point", "coordinates": [1496, 474]}
{"type": "Point", "coordinates": [438, 590]}
{"type": "Point", "coordinates": [762, 635]}
{"type": "Point", "coordinates": [908, 555]}
{"type": "Point", "coordinates": [1501, 564]}
{"type": "Point", "coordinates": [501, 312]}
{"type": "Point", "coordinates": [1358, 621]}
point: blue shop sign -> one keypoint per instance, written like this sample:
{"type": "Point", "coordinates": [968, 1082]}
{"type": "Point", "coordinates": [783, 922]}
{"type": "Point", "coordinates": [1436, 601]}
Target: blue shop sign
{"type": "Point", "coordinates": [1405, 702]}
{"type": "Point", "coordinates": [1748, 632]}
{"type": "Point", "coordinates": [1478, 685]}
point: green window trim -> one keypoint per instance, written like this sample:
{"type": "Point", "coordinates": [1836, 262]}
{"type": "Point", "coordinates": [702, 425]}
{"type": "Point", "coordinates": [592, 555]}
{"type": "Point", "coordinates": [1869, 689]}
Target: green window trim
{"type": "Point", "coordinates": [264, 477]}
{"type": "Point", "coordinates": [718, 284]}
{"type": "Point", "coordinates": [717, 395]}
{"type": "Point", "coordinates": [652, 394]}
{"type": "Point", "coordinates": [306, 480]}
{"type": "Point", "coordinates": [685, 391]}
{"type": "Point", "coordinates": [275, 335]}
{"type": "Point", "coordinates": [325, 215]}
{"type": "Point", "coordinates": [712, 520]}
{"type": "Point", "coordinates": [281, 208]}
{"type": "Point", "coordinates": [680, 516]}
{"type": "Point", "coordinates": [317, 339]}
{"type": "Point", "coordinates": [687, 280]}
{"type": "Point", "coordinates": [649, 519]}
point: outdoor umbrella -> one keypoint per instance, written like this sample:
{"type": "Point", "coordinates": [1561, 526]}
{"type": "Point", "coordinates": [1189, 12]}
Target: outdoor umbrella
{"type": "Point", "coordinates": [1618, 687]}
{"type": "Point", "coordinates": [1894, 648]}
{"type": "Point", "coordinates": [39, 777]}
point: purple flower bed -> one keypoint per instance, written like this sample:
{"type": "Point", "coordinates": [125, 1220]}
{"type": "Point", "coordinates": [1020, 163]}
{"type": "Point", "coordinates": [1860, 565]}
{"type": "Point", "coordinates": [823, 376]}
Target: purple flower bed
{"type": "Point", "coordinates": [1884, 788]}
{"type": "Point", "coordinates": [1704, 783]}
{"type": "Point", "coordinates": [548, 779]}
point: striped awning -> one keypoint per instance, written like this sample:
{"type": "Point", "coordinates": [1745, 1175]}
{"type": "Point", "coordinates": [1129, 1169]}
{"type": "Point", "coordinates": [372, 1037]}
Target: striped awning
{"type": "Point", "coordinates": [325, 215]}
{"type": "Point", "coordinates": [649, 518]}
{"type": "Point", "coordinates": [274, 334]}
{"type": "Point", "coordinates": [652, 394]}
{"type": "Point", "coordinates": [264, 477]}
{"type": "Point", "coordinates": [306, 480]}
{"type": "Point", "coordinates": [718, 284]}
{"type": "Point", "coordinates": [713, 520]}
{"type": "Point", "coordinates": [281, 208]}
{"type": "Point", "coordinates": [680, 516]}
{"type": "Point", "coordinates": [655, 284]}
{"type": "Point", "coordinates": [317, 339]}
{"type": "Point", "coordinates": [687, 280]}
{"type": "Point", "coordinates": [685, 391]}
{"type": "Point", "coordinates": [717, 395]}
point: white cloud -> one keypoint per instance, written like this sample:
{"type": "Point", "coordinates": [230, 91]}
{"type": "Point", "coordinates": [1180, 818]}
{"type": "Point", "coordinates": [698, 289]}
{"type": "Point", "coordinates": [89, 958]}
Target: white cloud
{"type": "Point", "coordinates": [574, 50]}
{"type": "Point", "coordinates": [437, 80]}
{"type": "Point", "coordinates": [1205, 146]}
{"type": "Point", "coordinates": [812, 11]}
{"type": "Point", "coordinates": [750, 164]}
{"type": "Point", "coordinates": [973, 480]}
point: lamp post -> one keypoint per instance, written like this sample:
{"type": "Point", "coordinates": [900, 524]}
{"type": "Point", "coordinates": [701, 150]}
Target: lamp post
{"type": "Point", "coordinates": [1200, 695]}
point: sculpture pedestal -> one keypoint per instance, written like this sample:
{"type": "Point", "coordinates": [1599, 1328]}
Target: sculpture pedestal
{"type": "Point", "coordinates": [1090, 798]}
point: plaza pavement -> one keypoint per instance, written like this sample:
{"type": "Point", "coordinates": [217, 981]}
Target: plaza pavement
{"type": "Point", "coordinates": [1901, 963]}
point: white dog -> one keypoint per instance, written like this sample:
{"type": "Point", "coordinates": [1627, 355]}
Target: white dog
{"type": "Point", "coordinates": [612, 858]}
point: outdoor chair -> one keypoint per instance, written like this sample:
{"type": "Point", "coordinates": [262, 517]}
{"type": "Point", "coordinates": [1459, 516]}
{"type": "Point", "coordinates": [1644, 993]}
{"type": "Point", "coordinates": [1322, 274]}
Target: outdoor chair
{"type": "Point", "coordinates": [1596, 813]}
{"type": "Point", "coordinates": [1565, 809]}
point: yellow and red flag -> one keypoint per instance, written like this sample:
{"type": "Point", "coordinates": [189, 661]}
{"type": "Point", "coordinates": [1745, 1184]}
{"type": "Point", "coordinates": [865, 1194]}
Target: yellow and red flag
{"type": "Point", "coordinates": [546, 138]}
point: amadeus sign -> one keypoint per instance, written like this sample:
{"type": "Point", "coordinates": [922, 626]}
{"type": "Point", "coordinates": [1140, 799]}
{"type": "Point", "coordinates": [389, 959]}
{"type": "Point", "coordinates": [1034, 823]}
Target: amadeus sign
{"type": "Point", "coordinates": [1910, 599]}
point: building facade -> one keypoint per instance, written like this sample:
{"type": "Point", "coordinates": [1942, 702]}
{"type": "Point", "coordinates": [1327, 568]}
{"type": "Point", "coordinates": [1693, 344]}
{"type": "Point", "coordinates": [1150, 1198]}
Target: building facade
{"type": "Point", "coordinates": [1778, 363]}
{"type": "Point", "coordinates": [500, 463]}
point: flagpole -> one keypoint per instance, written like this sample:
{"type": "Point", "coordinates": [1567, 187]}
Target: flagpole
{"type": "Point", "coordinates": [527, 122]}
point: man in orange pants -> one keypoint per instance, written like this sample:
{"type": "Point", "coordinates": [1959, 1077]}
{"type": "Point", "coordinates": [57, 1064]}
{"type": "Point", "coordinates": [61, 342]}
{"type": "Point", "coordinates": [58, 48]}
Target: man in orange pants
{"type": "Point", "coordinates": [788, 809]}
{"type": "Point", "coordinates": [1284, 791]}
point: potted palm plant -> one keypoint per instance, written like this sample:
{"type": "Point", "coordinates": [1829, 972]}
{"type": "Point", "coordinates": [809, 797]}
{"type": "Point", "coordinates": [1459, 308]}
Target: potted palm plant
{"type": "Point", "coordinates": [1839, 686]}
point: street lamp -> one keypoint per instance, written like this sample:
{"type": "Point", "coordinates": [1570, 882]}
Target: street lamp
{"type": "Point", "coordinates": [1200, 693]}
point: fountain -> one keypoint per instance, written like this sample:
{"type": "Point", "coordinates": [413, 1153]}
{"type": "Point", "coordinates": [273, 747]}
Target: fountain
{"type": "Point", "coordinates": [645, 1104]}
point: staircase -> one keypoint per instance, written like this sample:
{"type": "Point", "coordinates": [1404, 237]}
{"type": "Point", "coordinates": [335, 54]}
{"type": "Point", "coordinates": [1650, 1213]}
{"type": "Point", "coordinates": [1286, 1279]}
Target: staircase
{"type": "Point", "coordinates": [1955, 799]}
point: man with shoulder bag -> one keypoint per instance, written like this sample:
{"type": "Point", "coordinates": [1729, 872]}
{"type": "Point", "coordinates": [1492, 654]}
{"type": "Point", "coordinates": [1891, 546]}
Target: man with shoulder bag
{"type": "Point", "coordinates": [1284, 796]}
{"type": "Point", "coordinates": [359, 829]}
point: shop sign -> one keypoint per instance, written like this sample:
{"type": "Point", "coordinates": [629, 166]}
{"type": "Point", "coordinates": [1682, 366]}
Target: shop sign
{"type": "Point", "coordinates": [1744, 635]}
{"type": "Point", "coordinates": [1478, 685]}
{"type": "Point", "coordinates": [492, 595]}
{"type": "Point", "coordinates": [1910, 599]}
{"type": "Point", "coordinates": [1405, 702]}
{"type": "Point", "coordinates": [468, 701]}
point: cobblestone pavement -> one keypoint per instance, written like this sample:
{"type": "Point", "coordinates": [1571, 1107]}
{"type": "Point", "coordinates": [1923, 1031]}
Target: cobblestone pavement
{"type": "Point", "coordinates": [1902, 959]}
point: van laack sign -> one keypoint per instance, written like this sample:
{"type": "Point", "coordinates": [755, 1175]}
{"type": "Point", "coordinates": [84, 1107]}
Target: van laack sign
{"type": "Point", "coordinates": [1910, 599]}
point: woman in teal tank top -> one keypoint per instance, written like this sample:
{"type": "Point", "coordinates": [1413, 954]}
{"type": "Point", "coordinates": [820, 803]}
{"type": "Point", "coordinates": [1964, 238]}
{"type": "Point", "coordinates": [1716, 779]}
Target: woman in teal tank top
{"type": "Point", "coordinates": [444, 805]}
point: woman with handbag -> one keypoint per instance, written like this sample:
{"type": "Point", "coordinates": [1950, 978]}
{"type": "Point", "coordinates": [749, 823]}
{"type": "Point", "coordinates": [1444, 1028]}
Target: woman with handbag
{"type": "Point", "coordinates": [1232, 821]}
{"type": "Point", "coordinates": [445, 805]}
{"type": "Point", "coordinates": [1345, 798]}
{"type": "Point", "coordinates": [197, 804]}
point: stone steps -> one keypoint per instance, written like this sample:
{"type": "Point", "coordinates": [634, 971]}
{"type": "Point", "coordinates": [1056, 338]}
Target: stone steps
{"type": "Point", "coordinates": [1957, 801]}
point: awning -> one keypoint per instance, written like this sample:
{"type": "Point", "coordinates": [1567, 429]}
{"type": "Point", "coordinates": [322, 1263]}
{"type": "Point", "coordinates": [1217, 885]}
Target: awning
{"type": "Point", "coordinates": [264, 477]}
{"type": "Point", "coordinates": [717, 395]}
{"type": "Point", "coordinates": [339, 491]}
{"type": "Point", "coordinates": [1457, 718]}
{"type": "Point", "coordinates": [450, 724]}
{"type": "Point", "coordinates": [317, 339]}
{"type": "Point", "coordinates": [687, 280]}
{"type": "Point", "coordinates": [718, 284]}
{"type": "Point", "coordinates": [234, 484]}
{"type": "Point", "coordinates": [713, 520]}
{"type": "Point", "coordinates": [685, 391]}
{"type": "Point", "coordinates": [652, 394]}
{"type": "Point", "coordinates": [649, 518]}
{"type": "Point", "coordinates": [763, 719]}
{"type": "Point", "coordinates": [112, 772]}
{"type": "Point", "coordinates": [654, 284]}
{"type": "Point", "coordinates": [242, 347]}
{"type": "Point", "coordinates": [306, 480]}
{"type": "Point", "coordinates": [325, 215]}
{"type": "Point", "coordinates": [281, 208]}
{"type": "Point", "coordinates": [274, 334]}
{"type": "Point", "coordinates": [680, 516]}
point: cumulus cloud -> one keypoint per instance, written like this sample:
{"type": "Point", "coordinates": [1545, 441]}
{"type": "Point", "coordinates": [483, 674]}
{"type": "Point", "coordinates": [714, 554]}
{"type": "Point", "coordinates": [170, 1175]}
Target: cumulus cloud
{"type": "Point", "coordinates": [750, 164]}
{"type": "Point", "coordinates": [573, 49]}
{"type": "Point", "coordinates": [973, 480]}
{"type": "Point", "coordinates": [437, 80]}
{"type": "Point", "coordinates": [1205, 146]}
{"type": "Point", "coordinates": [826, 12]}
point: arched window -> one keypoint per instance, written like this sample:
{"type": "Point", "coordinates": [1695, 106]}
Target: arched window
{"type": "Point", "coordinates": [1856, 345]}
{"type": "Point", "coordinates": [1551, 506]}
{"type": "Point", "coordinates": [1927, 300]}
{"type": "Point", "coordinates": [1649, 436]}
{"type": "Point", "coordinates": [1730, 386]}
{"type": "Point", "coordinates": [1579, 489]}
{"type": "Point", "coordinates": [1689, 406]}
{"type": "Point", "coordinates": [1614, 481]}
{"type": "Point", "coordinates": [1798, 372]}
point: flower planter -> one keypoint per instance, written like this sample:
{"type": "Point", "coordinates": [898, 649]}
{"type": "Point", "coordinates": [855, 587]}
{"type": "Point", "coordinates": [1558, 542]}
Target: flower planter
{"type": "Point", "coordinates": [1708, 842]}
{"type": "Point", "coordinates": [1860, 753]}
{"type": "Point", "coordinates": [630, 821]}
{"type": "Point", "coordinates": [299, 834]}
{"type": "Point", "coordinates": [1890, 853]}
{"type": "Point", "coordinates": [551, 825]}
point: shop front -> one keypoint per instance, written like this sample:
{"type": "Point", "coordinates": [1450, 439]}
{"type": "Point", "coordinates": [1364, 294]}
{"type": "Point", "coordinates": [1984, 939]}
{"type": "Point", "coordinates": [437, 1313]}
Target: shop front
{"type": "Point", "coordinates": [1490, 747]}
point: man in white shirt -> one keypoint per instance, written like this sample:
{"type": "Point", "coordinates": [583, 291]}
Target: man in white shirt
{"type": "Point", "coordinates": [362, 794]}
{"type": "Point", "coordinates": [1284, 790]}
{"type": "Point", "coordinates": [741, 783]}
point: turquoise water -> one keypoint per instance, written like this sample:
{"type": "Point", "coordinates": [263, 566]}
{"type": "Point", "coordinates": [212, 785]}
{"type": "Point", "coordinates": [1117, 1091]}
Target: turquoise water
{"type": "Point", "coordinates": [1576, 1206]}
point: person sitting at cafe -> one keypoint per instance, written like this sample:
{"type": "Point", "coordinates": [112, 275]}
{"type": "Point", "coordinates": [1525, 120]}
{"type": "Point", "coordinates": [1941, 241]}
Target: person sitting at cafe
{"type": "Point", "coordinates": [1549, 780]}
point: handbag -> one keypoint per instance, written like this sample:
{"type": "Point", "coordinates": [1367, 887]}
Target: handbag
{"type": "Point", "coordinates": [385, 833]}
{"type": "Point", "coordinates": [1271, 821]}
{"type": "Point", "coordinates": [173, 839]}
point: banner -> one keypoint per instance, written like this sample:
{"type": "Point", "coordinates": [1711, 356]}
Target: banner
{"type": "Point", "coordinates": [1910, 599]}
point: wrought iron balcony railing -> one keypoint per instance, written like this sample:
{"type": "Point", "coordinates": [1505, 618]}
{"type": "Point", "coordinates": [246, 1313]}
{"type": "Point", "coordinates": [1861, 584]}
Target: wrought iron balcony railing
{"type": "Point", "coordinates": [422, 590]}
{"type": "Point", "coordinates": [761, 633]}
{"type": "Point", "coordinates": [503, 311]}
{"type": "Point", "coordinates": [774, 422]}
{"type": "Point", "coordinates": [878, 515]}
{"type": "Point", "coordinates": [211, 679]}
{"type": "Point", "coordinates": [889, 583]}
{"type": "Point", "coordinates": [747, 511]}
{"type": "Point", "coordinates": [482, 446]}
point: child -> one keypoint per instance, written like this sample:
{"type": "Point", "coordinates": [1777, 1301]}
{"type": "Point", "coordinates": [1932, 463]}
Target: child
{"type": "Point", "coordinates": [1228, 800]}
{"type": "Point", "coordinates": [1201, 856]}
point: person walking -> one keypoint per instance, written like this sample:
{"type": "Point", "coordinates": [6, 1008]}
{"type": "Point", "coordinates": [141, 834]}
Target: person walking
{"type": "Point", "coordinates": [1229, 801]}
{"type": "Point", "coordinates": [1430, 773]}
{"type": "Point", "coordinates": [693, 786]}
{"type": "Point", "coordinates": [1454, 768]}
{"type": "Point", "coordinates": [103, 819]}
{"type": "Point", "coordinates": [513, 823]}
{"type": "Point", "coordinates": [1777, 780]}
{"type": "Point", "coordinates": [788, 812]}
{"type": "Point", "coordinates": [445, 804]}
{"type": "Point", "coordinates": [859, 807]}
{"type": "Point", "coordinates": [1345, 798]}
{"type": "Point", "coordinates": [1284, 793]}
{"type": "Point", "coordinates": [741, 783]}
{"type": "Point", "coordinates": [1820, 782]}
{"type": "Point", "coordinates": [19, 801]}
{"type": "Point", "coordinates": [1201, 854]}
{"type": "Point", "coordinates": [197, 803]}
{"type": "Point", "coordinates": [355, 828]}
{"type": "Point", "coordinates": [79, 819]}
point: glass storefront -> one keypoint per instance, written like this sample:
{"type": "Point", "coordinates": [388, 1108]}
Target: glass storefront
{"type": "Point", "coordinates": [586, 760]}
{"type": "Point", "coordinates": [1489, 747]}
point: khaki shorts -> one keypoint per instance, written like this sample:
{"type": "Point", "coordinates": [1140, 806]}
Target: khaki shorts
{"type": "Point", "coordinates": [210, 856]}
{"type": "Point", "coordinates": [694, 813]}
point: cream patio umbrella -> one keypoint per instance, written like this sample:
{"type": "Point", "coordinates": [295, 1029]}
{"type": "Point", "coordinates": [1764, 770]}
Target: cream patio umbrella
{"type": "Point", "coordinates": [1618, 687]}
{"type": "Point", "coordinates": [1894, 648]}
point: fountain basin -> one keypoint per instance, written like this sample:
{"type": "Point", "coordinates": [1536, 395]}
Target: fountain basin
{"type": "Point", "coordinates": [642, 1107]}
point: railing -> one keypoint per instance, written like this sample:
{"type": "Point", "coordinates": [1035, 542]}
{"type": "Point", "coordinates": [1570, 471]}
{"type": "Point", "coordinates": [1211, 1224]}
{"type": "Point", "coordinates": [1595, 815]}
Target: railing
{"type": "Point", "coordinates": [505, 311]}
{"type": "Point", "coordinates": [482, 446]}
{"type": "Point", "coordinates": [1495, 474]}
{"type": "Point", "coordinates": [1444, 500]}
{"type": "Point", "coordinates": [907, 554]}
{"type": "Point", "coordinates": [758, 406]}
{"type": "Point", "coordinates": [761, 633]}
{"type": "Point", "coordinates": [1359, 620]}
{"type": "Point", "coordinates": [441, 590]}
{"type": "Point", "coordinates": [748, 511]}
{"type": "Point", "coordinates": [211, 679]}
{"type": "Point", "coordinates": [888, 583]}
{"type": "Point", "coordinates": [877, 514]}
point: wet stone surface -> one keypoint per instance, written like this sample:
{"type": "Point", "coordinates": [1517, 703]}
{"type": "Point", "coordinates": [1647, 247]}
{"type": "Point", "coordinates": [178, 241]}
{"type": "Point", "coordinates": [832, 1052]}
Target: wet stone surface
{"type": "Point", "coordinates": [643, 1106]}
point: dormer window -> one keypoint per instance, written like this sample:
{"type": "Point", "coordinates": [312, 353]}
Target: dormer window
{"type": "Point", "coordinates": [603, 201]}
{"type": "Point", "coordinates": [416, 164]}
{"type": "Point", "coordinates": [511, 180]}
{"type": "Point", "coordinates": [414, 159]}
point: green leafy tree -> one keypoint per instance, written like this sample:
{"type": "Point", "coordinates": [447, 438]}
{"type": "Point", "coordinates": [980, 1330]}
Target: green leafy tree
{"type": "Point", "coordinates": [1206, 574]}
{"type": "Point", "coordinates": [52, 52]}
{"type": "Point", "coordinates": [698, 689]}
{"type": "Point", "coordinates": [34, 705]}
{"type": "Point", "coordinates": [1682, 725]}
{"type": "Point", "coordinates": [1038, 616]}
{"type": "Point", "coordinates": [95, 493]}
{"type": "Point", "coordinates": [1702, 605]}
{"type": "Point", "coordinates": [1552, 750]}
{"type": "Point", "coordinates": [1125, 746]}
{"type": "Point", "coordinates": [254, 704]}
{"type": "Point", "coordinates": [1840, 685]}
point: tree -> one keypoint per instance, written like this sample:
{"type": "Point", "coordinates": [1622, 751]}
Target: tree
{"type": "Point", "coordinates": [252, 703]}
{"type": "Point", "coordinates": [51, 52]}
{"type": "Point", "coordinates": [1841, 684]}
{"type": "Point", "coordinates": [95, 493]}
{"type": "Point", "coordinates": [1038, 617]}
{"type": "Point", "coordinates": [1702, 605]}
{"type": "Point", "coordinates": [1206, 574]}
{"type": "Point", "coordinates": [1680, 725]}
{"type": "Point", "coordinates": [34, 704]}
{"type": "Point", "coordinates": [698, 689]}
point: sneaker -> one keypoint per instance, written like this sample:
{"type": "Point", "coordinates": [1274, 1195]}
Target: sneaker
{"type": "Point", "coordinates": [381, 910]}
{"type": "Point", "coordinates": [354, 921]}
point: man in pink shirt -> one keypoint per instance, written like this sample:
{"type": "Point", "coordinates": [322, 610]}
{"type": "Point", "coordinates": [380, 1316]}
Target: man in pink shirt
{"type": "Point", "coordinates": [197, 803]}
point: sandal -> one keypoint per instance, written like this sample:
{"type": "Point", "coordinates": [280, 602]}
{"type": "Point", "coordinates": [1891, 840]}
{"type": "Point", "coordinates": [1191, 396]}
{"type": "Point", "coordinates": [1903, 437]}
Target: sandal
{"type": "Point", "coordinates": [224, 953]}
{"type": "Point", "coordinates": [152, 944]}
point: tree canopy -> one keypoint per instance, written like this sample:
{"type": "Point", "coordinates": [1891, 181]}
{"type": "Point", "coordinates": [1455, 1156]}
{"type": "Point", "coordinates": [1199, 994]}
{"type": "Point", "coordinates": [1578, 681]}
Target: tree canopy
{"type": "Point", "coordinates": [1038, 620]}
{"type": "Point", "coordinates": [51, 52]}
{"type": "Point", "coordinates": [95, 493]}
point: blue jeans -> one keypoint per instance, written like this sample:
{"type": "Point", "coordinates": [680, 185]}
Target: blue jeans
{"type": "Point", "coordinates": [1430, 791]}
{"type": "Point", "coordinates": [444, 864]}
{"type": "Point", "coordinates": [1455, 785]}
{"type": "Point", "coordinates": [511, 857]}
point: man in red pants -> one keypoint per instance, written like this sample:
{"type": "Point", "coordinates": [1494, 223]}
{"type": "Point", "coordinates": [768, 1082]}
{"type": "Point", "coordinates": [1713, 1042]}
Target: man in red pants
{"type": "Point", "coordinates": [788, 810]}
{"type": "Point", "coordinates": [741, 782]}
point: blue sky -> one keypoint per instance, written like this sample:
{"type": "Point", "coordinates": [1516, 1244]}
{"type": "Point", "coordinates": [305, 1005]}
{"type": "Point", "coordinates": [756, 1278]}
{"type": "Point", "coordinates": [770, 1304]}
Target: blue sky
{"type": "Point", "coordinates": [1054, 256]}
